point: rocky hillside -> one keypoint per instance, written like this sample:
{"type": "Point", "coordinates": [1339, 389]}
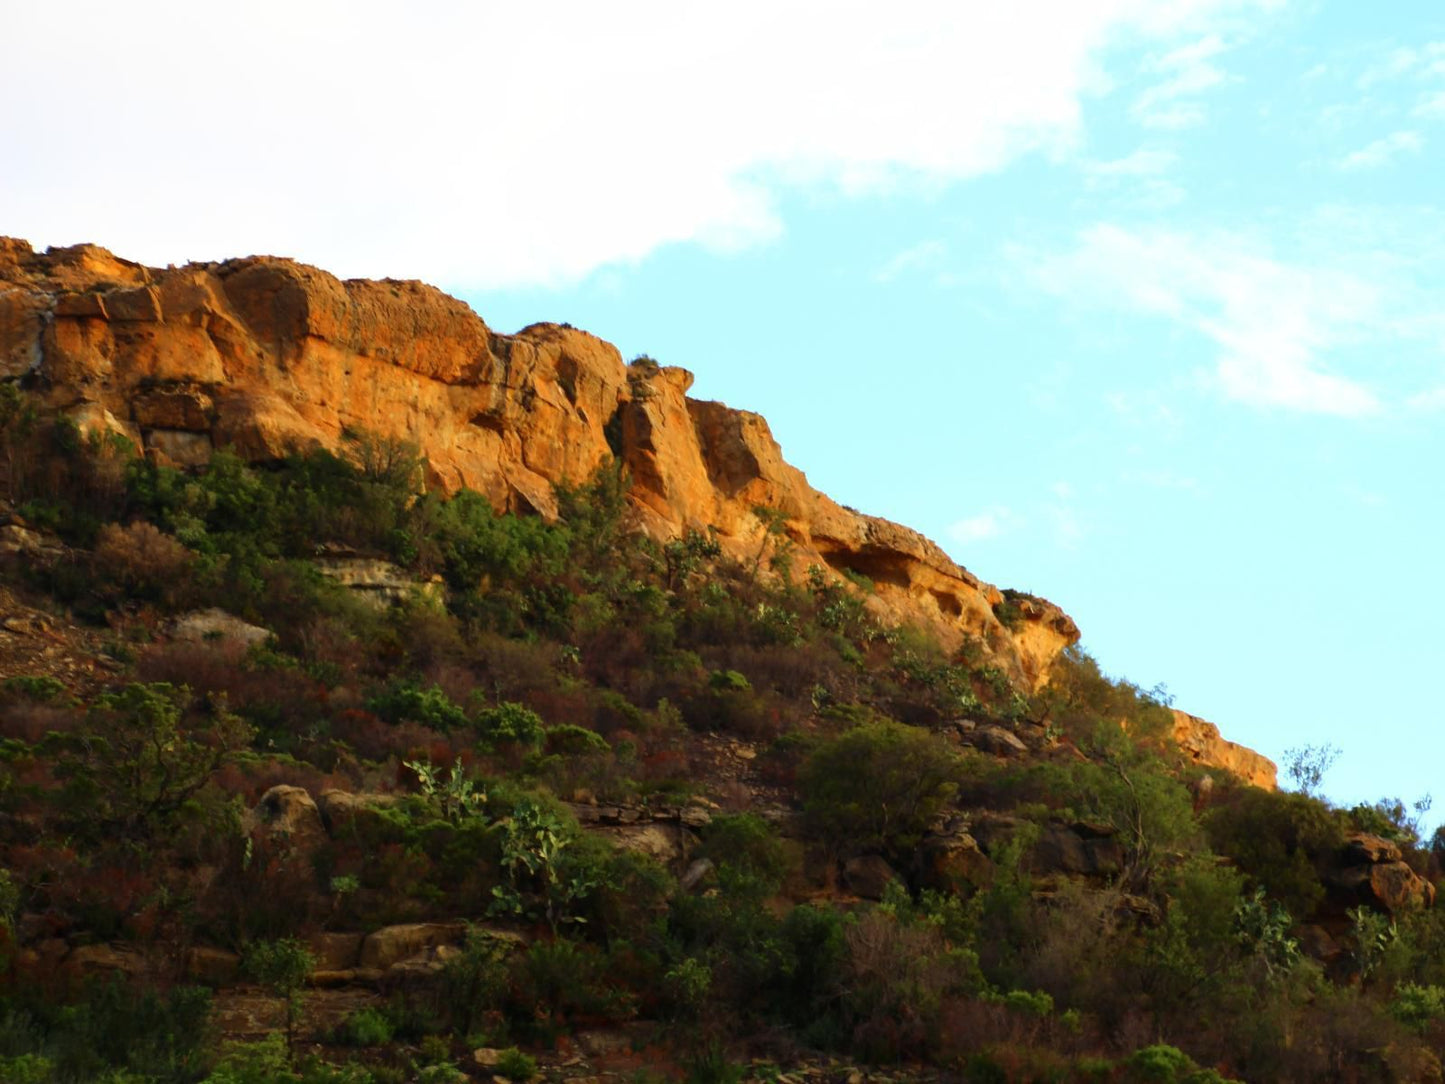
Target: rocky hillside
{"type": "Point", "coordinates": [268, 356]}
{"type": "Point", "coordinates": [431, 705]}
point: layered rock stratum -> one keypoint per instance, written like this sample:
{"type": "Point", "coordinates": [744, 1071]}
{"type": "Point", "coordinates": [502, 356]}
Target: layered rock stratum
{"type": "Point", "coordinates": [267, 356]}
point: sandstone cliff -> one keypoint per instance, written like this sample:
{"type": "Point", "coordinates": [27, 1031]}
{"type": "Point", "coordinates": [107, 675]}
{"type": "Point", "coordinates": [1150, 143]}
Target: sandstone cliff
{"type": "Point", "coordinates": [1201, 742]}
{"type": "Point", "coordinates": [266, 356]}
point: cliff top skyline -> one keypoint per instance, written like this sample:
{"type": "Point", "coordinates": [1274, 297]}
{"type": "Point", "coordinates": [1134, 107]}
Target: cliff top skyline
{"type": "Point", "coordinates": [1136, 308]}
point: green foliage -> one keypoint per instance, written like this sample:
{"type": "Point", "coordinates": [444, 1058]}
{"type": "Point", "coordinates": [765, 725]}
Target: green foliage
{"type": "Point", "coordinates": [40, 689]}
{"type": "Point", "coordinates": [113, 1032]}
{"type": "Point", "coordinates": [143, 755]}
{"type": "Point", "coordinates": [1417, 1006]}
{"type": "Point", "coordinates": [1262, 927]}
{"type": "Point", "coordinates": [365, 1027]}
{"type": "Point", "coordinates": [1372, 935]}
{"type": "Point", "coordinates": [268, 1061]}
{"type": "Point", "coordinates": [511, 724]}
{"type": "Point", "coordinates": [1277, 839]}
{"type": "Point", "coordinates": [747, 852]}
{"type": "Point", "coordinates": [1158, 1064]}
{"type": "Point", "coordinates": [405, 699]}
{"type": "Point", "coordinates": [515, 1065]}
{"type": "Point", "coordinates": [282, 966]}
{"type": "Point", "coordinates": [571, 740]}
{"type": "Point", "coordinates": [538, 844]}
{"type": "Point", "coordinates": [877, 787]}
{"type": "Point", "coordinates": [457, 795]}
{"type": "Point", "coordinates": [475, 980]}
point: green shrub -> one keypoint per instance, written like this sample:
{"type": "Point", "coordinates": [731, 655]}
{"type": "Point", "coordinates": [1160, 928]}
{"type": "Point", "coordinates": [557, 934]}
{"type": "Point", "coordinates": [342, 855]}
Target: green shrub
{"type": "Point", "coordinates": [1158, 1064]}
{"type": "Point", "coordinates": [141, 757]}
{"type": "Point", "coordinates": [512, 724]}
{"type": "Point", "coordinates": [365, 1027]}
{"type": "Point", "coordinates": [1416, 1006]}
{"type": "Point", "coordinates": [405, 700]}
{"type": "Point", "coordinates": [515, 1065]}
{"type": "Point", "coordinates": [877, 787]}
{"type": "Point", "coordinates": [570, 740]}
{"type": "Point", "coordinates": [747, 852]}
{"type": "Point", "coordinates": [1277, 840]}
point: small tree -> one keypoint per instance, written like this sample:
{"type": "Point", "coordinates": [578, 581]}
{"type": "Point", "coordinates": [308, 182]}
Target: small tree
{"type": "Point", "coordinates": [139, 758]}
{"type": "Point", "coordinates": [282, 966]}
{"type": "Point", "coordinates": [1306, 765]}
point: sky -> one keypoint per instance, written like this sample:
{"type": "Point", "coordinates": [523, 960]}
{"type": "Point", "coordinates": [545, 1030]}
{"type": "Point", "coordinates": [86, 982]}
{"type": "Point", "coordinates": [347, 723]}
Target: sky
{"type": "Point", "coordinates": [1135, 304]}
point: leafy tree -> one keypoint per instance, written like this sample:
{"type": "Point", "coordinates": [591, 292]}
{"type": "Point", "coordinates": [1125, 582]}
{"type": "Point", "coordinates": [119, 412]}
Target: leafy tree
{"type": "Point", "coordinates": [141, 757]}
{"type": "Point", "coordinates": [282, 966]}
{"type": "Point", "coordinates": [1306, 765]}
{"type": "Point", "coordinates": [877, 787]}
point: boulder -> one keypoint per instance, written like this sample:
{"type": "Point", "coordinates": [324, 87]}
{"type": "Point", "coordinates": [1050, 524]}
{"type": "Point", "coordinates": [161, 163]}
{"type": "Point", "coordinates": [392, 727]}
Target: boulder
{"type": "Point", "coordinates": [335, 951]}
{"type": "Point", "coordinates": [342, 809]}
{"type": "Point", "coordinates": [289, 816]}
{"type": "Point", "coordinates": [997, 740]}
{"type": "Point", "coordinates": [1369, 871]}
{"type": "Point", "coordinates": [668, 843]}
{"type": "Point", "coordinates": [951, 859]}
{"type": "Point", "coordinates": [215, 625]}
{"type": "Point", "coordinates": [390, 945]}
{"type": "Point", "coordinates": [868, 876]}
{"type": "Point", "coordinates": [89, 961]}
{"type": "Point", "coordinates": [1202, 743]}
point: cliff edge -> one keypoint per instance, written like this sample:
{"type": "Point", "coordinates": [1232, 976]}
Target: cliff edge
{"type": "Point", "coordinates": [268, 356]}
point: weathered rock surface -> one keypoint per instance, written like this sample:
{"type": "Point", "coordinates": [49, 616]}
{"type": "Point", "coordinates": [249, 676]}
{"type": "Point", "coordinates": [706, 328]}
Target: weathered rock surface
{"type": "Point", "coordinates": [868, 876]}
{"type": "Point", "coordinates": [287, 815]}
{"type": "Point", "coordinates": [215, 624]}
{"type": "Point", "coordinates": [267, 356]}
{"type": "Point", "coordinates": [1201, 742]}
{"type": "Point", "coordinates": [1370, 871]}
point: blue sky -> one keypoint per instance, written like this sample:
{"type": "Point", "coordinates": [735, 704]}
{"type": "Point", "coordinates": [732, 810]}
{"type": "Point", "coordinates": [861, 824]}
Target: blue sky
{"type": "Point", "coordinates": [1136, 305]}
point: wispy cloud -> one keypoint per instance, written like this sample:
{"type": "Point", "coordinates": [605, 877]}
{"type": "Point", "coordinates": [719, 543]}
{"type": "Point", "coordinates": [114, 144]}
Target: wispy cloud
{"type": "Point", "coordinates": [1382, 151]}
{"type": "Point", "coordinates": [983, 525]}
{"type": "Point", "coordinates": [1420, 61]}
{"type": "Point", "coordinates": [1142, 177]}
{"type": "Point", "coordinates": [1187, 72]}
{"type": "Point", "coordinates": [1431, 106]}
{"type": "Point", "coordinates": [523, 143]}
{"type": "Point", "coordinates": [1273, 324]}
{"type": "Point", "coordinates": [924, 256]}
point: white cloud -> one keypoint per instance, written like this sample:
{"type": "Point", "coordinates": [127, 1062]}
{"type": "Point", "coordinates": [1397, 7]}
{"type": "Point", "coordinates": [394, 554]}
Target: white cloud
{"type": "Point", "coordinates": [1188, 72]}
{"type": "Point", "coordinates": [1422, 61]}
{"type": "Point", "coordinates": [487, 144]}
{"type": "Point", "coordinates": [1144, 162]}
{"type": "Point", "coordinates": [1273, 323]}
{"type": "Point", "coordinates": [985, 525]}
{"type": "Point", "coordinates": [924, 256]}
{"type": "Point", "coordinates": [1432, 106]}
{"type": "Point", "coordinates": [1381, 151]}
{"type": "Point", "coordinates": [1141, 177]}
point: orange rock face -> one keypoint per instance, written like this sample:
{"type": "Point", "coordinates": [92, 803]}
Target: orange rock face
{"type": "Point", "coordinates": [267, 356]}
{"type": "Point", "coordinates": [1202, 743]}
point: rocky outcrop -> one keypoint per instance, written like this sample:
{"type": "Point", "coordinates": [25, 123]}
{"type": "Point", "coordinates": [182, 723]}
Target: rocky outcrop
{"type": "Point", "coordinates": [1370, 871]}
{"type": "Point", "coordinates": [266, 356]}
{"type": "Point", "coordinates": [1202, 743]}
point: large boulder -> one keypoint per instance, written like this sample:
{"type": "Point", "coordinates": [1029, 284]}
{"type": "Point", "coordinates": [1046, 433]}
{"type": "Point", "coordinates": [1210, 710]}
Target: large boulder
{"type": "Point", "coordinates": [287, 816]}
{"type": "Point", "coordinates": [1369, 871]}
